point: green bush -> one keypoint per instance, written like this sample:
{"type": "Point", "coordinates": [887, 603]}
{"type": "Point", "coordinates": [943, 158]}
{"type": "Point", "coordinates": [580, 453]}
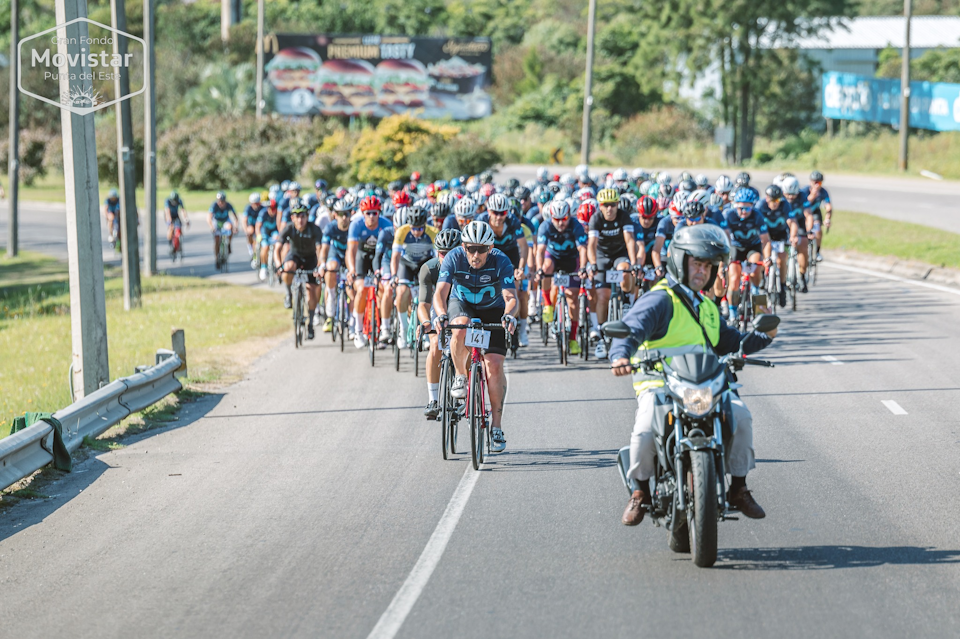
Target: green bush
{"type": "Point", "coordinates": [331, 160]}
{"type": "Point", "coordinates": [33, 147]}
{"type": "Point", "coordinates": [382, 154]}
{"type": "Point", "coordinates": [465, 154]}
{"type": "Point", "coordinates": [661, 127]}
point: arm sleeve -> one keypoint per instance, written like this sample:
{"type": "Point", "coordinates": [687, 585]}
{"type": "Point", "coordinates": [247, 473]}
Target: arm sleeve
{"type": "Point", "coordinates": [730, 341]}
{"type": "Point", "coordinates": [446, 269]}
{"type": "Point", "coordinates": [648, 319]}
{"type": "Point", "coordinates": [426, 286]}
{"type": "Point", "coordinates": [505, 273]}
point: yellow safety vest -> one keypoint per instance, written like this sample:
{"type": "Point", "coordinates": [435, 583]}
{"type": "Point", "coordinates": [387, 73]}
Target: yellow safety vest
{"type": "Point", "coordinates": [683, 336]}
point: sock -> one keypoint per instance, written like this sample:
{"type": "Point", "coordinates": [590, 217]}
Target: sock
{"type": "Point", "coordinates": [737, 482]}
{"type": "Point", "coordinates": [404, 323]}
{"type": "Point", "coordinates": [594, 321]}
{"type": "Point", "coordinates": [313, 311]}
{"type": "Point", "coordinates": [545, 297]}
{"type": "Point", "coordinates": [357, 322]}
{"type": "Point", "coordinates": [434, 391]}
{"type": "Point", "coordinates": [329, 302]}
{"type": "Point", "coordinates": [289, 292]}
{"type": "Point", "coordinates": [523, 324]}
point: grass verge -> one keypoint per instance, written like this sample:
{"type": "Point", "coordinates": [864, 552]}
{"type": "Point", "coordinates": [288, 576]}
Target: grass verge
{"type": "Point", "coordinates": [226, 327]}
{"type": "Point", "coordinates": [865, 233]}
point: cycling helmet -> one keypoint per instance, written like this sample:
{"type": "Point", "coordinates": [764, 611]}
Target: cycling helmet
{"type": "Point", "coordinates": [724, 185]}
{"type": "Point", "coordinates": [553, 187]}
{"type": "Point", "coordinates": [388, 209]}
{"type": "Point", "coordinates": [320, 185]}
{"type": "Point", "coordinates": [716, 200]}
{"type": "Point", "coordinates": [687, 185]}
{"type": "Point", "coordinates": [174, 196]}
{"type": "Point", "coordinates": [627, 202]}
{"type": "Point", "coordinates": [498, 202]}
{"type": "Point", "coordinates": [701, 181]}
{"type": "Point", "coordinates": [544, 197]}
{"type": "Point", "coordinates": [220, 194]}
{"type": "Point", "coordinates": [582, 171]}
{"type": "Point", "coordinates": [543, 175]}
{"type": "Point", "coordinates": [473, 186]}
{"type": "Point", "coordinates": [455, 183]}
{"type": "Point", "coordinates": [620, 175]}
{"type": "Point", "coordinates": [395, 186]}
{"type": "Point", "coordinates": [693, 210]}
{"type": "Point", "coordinates": [370, 203]}
{"type": "Point", "coordinates": [743, 179]}
{"type": "Point", "coordinates": [424, 205]}
{"type": "Point", "coordinates": [341, 192]}
{"type": "Point", "coordinates": [677, 203]}
{"type": "Point", "coordinates": [608, 196]}
{"type": "Point", "coordinates": [285, 186]}
{"type": "Point", "coordinates": [480, 198]}
{"type": "Point", "coordinates": [745, 195]}
{"type": "Point", "coordinates": [816, 176]}
{"type": "Point", "coordinates": [113, 193]}
{"type": "Point", "coordinates": [447, 240]}
{"type": "Point", "coordinates": [567, 179]}
{"type": "Point", "coordinates": [415, 176]}
{"type": "Point", "coordinates": [586, 211]}
{"type": "Point", "coordinates": [644, 187]}
{"type": "Point", "coordinates": [477, 232]}
{"type": "Point", "coordinates": [401, 198]}
{"type": "Point", "coordinates": [639, 175]}
{"type": "Point", "coordinates": [466, 208]}
{"type": "Point", "coordinates": [700, 195]}
{"type": "Point", "coordinates": [431, 190]}
{"type": "Point", "coordinates": [774, 192]}
{"type": "Point", "coordinates": [416, 216]}
{"type": "Point", "coordinates": [521, 193]}
{"type": "Point", "coordinates": [440, 210]}
{"type": "Point", "coordinates": [665, 190]}
{"type": "Point", "coordinates": [272, 204]}
{"type": "Point", "coordinates": [311, 199]}
{"type": "Point", "coordinates": [647, 207]}
{"type": "Point", "coordinates": [487, 190]}
{"type": "Point", "coordinates": [664, 178]}
{"type": "Point", "coordinates": [297, 206]}
{"type": "Point", "coordinates": [559, 209]}
{"type": "Point", "coordinates": [402, 216]}
{"type": "Point", "coordinates": [486, 177]}
{"type": "Point", "coordinates": [791, 186]}
{"type": "Point", "coordinates": [441, 185]}
{"type": "Point", "coordinates": [704, 242]}
{"type": "Point", "coordinates": [512, 184]}
{"type": "Point", "coordinates": [294, 186]}
{"type": "Point", "coordinates": [685, 175]}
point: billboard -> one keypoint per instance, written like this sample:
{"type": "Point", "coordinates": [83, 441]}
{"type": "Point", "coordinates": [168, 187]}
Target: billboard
{"type": "Point", "coordinates": [378, 76]}
{"type": "Point", "coordinates": [933, 105]}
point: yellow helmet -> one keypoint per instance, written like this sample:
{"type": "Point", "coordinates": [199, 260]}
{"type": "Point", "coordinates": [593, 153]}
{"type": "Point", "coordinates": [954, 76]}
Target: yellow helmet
{"type": "Point", "coordinates": [608, 196]}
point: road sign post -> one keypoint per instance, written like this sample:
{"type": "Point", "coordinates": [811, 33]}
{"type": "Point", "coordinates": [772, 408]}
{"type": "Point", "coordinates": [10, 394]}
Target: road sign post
{"type": "Point", "coordinates": [150, 140]}
{"type": "Point", "coordinates": [260, 47]}
{"type": "Point", "coordinates": [13, 163]}
{"type": "Point", "coordinates": [905, 88]}
{"type": "Point", "coordinates": [588, 86]}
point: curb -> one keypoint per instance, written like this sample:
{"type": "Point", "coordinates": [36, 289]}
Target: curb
{"type": "Point", "coordinates": [894, 266]}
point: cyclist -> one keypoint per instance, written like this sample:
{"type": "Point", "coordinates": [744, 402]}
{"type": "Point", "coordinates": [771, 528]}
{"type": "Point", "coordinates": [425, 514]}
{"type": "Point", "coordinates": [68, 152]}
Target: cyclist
{"type": "Point", "coordinates": [333, 257]}
{"type": "Point", "coordinates": [780, 219]}
{"type": "Point", "coordinates": [383, 271]}
{"type": "Point", "coordinates": [111, 211]}
{"type": "Point", "coordinates": [479, 281]}
{"type": "Point", "coordinates": [645, 224]}
{"type": "Point", "coordinates": [249, 221]}
{"type": "Point", "coordinates": [464, 211]}
{"type": "Point", "coordinates": [361, 248]}
{"type": "Point", "coordinates": [172, 210]}
{"type": "Point", "coordinates": [219, 218]}
{"type": "Point", "coordinates": [666, 227]}
{"type": "Point", "coordinates": [611, 246]}
{"type": "Point", "coordinates": [267, 230]}
{"type": "Point", "coordinates": [412, 248]}
{"type": "Point", "coordinates": [748, 236]}
{"type": "Point", "coordinates": [510, 239]}
{"type": "Point", "coordinates": [816, 204]}
{"type": "Point", "coordinates": [445, 242]}
{"type": "Point", "coordinates": [561, 246]}
{"type": "Point", "coordinates": [305, 240]}
{"type": "Point", "coordinates": [798, 236]}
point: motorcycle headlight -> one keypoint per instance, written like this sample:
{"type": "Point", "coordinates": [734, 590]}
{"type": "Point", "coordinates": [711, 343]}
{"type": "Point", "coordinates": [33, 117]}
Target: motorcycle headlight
{"type": "Point", "coordinates": [697, 401]}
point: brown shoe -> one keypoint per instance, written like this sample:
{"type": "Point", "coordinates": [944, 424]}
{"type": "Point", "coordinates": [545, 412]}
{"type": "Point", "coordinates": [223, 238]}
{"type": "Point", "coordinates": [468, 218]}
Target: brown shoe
{"type": "Point", "coordinates": [742, 500]}
{"type": "Point", "coordinates": [635, 511]}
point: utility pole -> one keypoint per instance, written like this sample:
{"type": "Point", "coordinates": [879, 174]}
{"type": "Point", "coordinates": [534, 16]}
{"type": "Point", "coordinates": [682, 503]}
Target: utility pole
{"type": "Point", "coordinates": [88, 313]}
{"type": "Point", "coordinates": [13, 163]}
{"type": "Point", "coordinates": [130, 255]}
{"type": "Point", "coordinates": [905, 87]}
{"type": "Point", "coordinates": [150, 140]}
{"type": "Point", "coordinates": [260, 11]}
{"type": "Point", "coordinates": [588, 87]}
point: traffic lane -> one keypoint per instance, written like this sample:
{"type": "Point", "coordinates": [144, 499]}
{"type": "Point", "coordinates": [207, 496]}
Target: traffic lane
{"type": "Point", "coordinates": [300, 502]}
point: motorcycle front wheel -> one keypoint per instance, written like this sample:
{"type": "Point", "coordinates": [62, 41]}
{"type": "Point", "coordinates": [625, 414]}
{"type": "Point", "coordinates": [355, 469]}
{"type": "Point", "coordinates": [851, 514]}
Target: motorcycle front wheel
{"type": "Point", "coordinates": [702, 508]}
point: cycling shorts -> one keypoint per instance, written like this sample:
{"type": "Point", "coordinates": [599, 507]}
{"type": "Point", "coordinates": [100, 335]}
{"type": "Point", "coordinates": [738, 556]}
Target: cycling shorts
{"type": "Point", "coordinates": [294, 262]}
{"type": "Point", "coordinates": [605, 263]}
{"type": "Point", "coordinates": [741, 254]}
{"type": "Point", "coordinates": [567, 265]}
{"type": "Point", "coordinates": [409, 273]}
{"type": "Point", "coordinates": [461, 312]}
{"type": "Point", "coordinates": [364, 263]}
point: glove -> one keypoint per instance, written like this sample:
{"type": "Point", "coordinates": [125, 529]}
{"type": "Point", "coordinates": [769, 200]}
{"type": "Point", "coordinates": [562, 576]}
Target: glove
{"type": "Point", "coordinates": [509, 322]}
{"type": "Point", "coordinates": [439, 322]}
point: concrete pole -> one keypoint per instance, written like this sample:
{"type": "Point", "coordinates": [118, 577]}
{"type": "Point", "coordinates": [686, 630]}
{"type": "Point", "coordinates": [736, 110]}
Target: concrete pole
{"type": "Point", "coordinates": [260, 10]}
{"type": "Point", "coordinates": [129, 243]}
{"type": "Point", "coordinates": [588, 86]}
{"type": "Point", "coordinates": [13, 164]}
{"type": "Point", "coordinates": [150, 140]}
{"type": "Point", "coordinates": [225, 19]}
{"type": "Point", "coordinates": [88, 314]}
{"type": "Point", "coordinates": [905, 88]}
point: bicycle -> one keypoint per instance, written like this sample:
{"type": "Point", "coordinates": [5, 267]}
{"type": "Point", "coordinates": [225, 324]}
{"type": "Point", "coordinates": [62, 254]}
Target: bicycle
{"type": "Point", "coordinates": [449, 416]}
{"type": "Point", "coordinates": [371, 316]}
{"type": "Point", "coordinates": [812, 252]}
{"type": "Point", "coordinates": [223, 252]}
{"type": "Point", "coordinates": [583, 329]}
{"type": "Point", "coordinates": [341, 314]}
{"type": "Point", "coordinates": [176, 243]}
{"type": "Point", "coordinates": [299, 288]}
{"type": "Point", "coordinates": [774, 285]}
{"type": "Point", "coordinates": [412, 336]}
{"type": "Point", "coordinates": [745, 310]}
{"type": "Point", "coordinates": [561, 316]}
{"type": "Point", "coordinates": [478, 339]}
{"type": "Point", "coordinates": [793, 278]}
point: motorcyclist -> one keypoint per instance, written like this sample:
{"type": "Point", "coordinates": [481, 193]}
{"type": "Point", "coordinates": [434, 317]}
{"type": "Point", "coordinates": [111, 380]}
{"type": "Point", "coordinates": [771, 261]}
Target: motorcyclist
{"type": "Point", "coordinates": [661, 320]}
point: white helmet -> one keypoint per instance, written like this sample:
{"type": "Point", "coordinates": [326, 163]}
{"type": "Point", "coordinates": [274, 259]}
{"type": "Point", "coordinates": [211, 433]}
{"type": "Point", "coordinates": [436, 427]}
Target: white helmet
{"type": "Point", "coordinates": [465, 208]}
{"type": "Point", "coordinates": [639, 175]}
{"type": "Point", "coordinates": [645, 186]}
{"type": "Point", "coordinates": [543, 174]}
{"type": "Point", "coordinates": [701, 181]}
{"type": "Point", "coordinates": [664, 178]}
{"type": "Point", "coordinates": [620, 175]}
{"type": "Point", "coordinates": [387, 209]}
{"type": "Point", "coordinates": [700, 195]}
{"type": "Point", "coordinates": [559, 209]}
{"type": "Point", "coordinates": [790, 186]}
{"type": "Point", "coordinates": [724, 185]}
{"type": "Point", "coordinates": [498, 202]}
{"type": "Point", "coordinates": [400, 216]}
{"type": "Point", "coordinates": [581, 171]}
{"type": "Point", "coordinates": [477, 232]}
{"type": "Point", "coordinates": [567, 179]}
{"type": "Point", "coordinates": [254, 198]}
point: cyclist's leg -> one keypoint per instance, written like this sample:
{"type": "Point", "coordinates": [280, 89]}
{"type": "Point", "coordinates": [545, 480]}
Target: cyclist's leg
{"type": "Point", "coordinates": [782, 263]}
{"type": "Point", "coordinates": [228, 228]}
{"type": "Point", "coordinates": [493, 365]}
{"type": "Point", "coordinates": [755, 257]}
{"type": "Point", "coordinates": [546, 284]}
{"type": "Point", "coordinates": [330, 281]}
{"type": "Point", "coordinates": [733, 276]}
{"type": "Point", "coordinates": [459, 313]}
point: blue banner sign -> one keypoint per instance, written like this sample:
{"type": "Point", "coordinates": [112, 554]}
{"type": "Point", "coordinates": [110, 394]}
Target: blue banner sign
{"type": "Point", "coordinates": [933, 105]}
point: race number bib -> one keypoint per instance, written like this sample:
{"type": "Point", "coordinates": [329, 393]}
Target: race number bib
{"type": "Point", "coordinates": [613, 277]}
{"type": "Point", "coordinates": [778, 247]}
{"type": "Point", "coordinates": [477, 338]}
{"type": "Point", "coordinates": [561, 280]}
{"type": "Point", "coordinates": [369, 281]}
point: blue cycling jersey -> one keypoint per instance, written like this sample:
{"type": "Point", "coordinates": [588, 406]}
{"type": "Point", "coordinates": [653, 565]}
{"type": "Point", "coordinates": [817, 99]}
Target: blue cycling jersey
{"type": "Point", "coordinates": [384, 250]}
{"type": "Point", "coordinates": [112, 206]}
{"type": "Point", "coordinates": [172, 207]}
{"type": "Point", "coordinates": [482, 287]}
{"type": "Point", "coordinates": [450, 222]}
{"type": "Point", "coordinates": [222, 214]}
{"type": "Point", "coordinates": [367, 237]}
{"type": "Point", "coordinates": [251, 214]}
{"type": "Point", "coordinates": [267, 222]}
{"type": "Point", "coordinates": [336, 238]}
{"type": "Point", "coordinates": [777, 221]}
{"type": "Point", "coordinates": [821, 198]}
{"type": "Point", "coordinates": [648, 236]}
{"type": "Point", "coordinates": [513, 231]}
{"type": "Point", "coordinates": [746, 232]}
{"type": "Point", "coordinates": [562, 244]}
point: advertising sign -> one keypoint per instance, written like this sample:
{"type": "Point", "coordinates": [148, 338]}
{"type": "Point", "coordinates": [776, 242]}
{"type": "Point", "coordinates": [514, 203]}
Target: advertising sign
{"type": "Point", "coordinates": [378, 75]}
{"type": "Point", "coordinates": [933, 105]}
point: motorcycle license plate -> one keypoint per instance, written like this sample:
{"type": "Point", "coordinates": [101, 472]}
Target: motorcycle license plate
{"type": "Point", "coordinates": [477, 338]}
{"type": "Point", "coordinates": [369, 281]}
{"type": "Point", "coordinates": [778, 247]}
{"type": "Point", "coordinates": [613, 277]}
{"type": "Point", "coordinates": [561, 280]}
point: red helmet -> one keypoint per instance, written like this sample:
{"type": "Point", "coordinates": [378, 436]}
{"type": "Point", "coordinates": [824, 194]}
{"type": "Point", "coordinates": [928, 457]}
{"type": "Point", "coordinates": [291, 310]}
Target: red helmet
{"type": "Point", "coordinates": [586, 211]}
{"type": "Point", "coordinates": [415, 176]}
{"type": "Point", "coordinates": [273, 203]}
{"type": "Point", "coordinates": [431, 189]}
{"type": "Point", "coordinates": [370, 203]}
{"type": "Point", "coordinates": [402, 198]}
{"type": "Point", "coordinates": [488, 189]}
{"type": "Point", "coordinates": [647, 207]}
{"type": "Point", "coordinates": [340, 192]}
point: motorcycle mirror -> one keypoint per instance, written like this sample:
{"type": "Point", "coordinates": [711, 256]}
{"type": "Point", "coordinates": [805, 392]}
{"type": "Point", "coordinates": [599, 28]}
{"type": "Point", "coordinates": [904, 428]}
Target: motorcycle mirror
{"type": "Point", "coordinates": [616, 330]}
{"type": "Point", "coordinates": [765, 323]}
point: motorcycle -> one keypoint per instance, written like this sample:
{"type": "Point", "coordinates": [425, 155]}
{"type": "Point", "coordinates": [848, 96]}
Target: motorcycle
{"type": "Point", "coordinates": [693, 425]}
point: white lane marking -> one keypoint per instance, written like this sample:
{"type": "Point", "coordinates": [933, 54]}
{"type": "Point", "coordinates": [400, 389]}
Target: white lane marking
{"type": "Point", "coordinates": [403, 602]}
{"type": "Point", "coordinates": [895, 278]}
{"type": "Point", "coordinates": [833, 360]}
{"type": "Point", "coordinates": [894, 407]}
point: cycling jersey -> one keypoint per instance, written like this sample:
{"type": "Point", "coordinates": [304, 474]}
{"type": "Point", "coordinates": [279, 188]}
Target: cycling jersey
{"type": "Point", "coordinates": [336, 239]}
{"type": "Point", "coordinates": [822, 198]}
{"type": "Point", "coordinates": [367, 237]}
{"type": "Point", "coordinates": [665, 229]}
{"type": "Point", "coordinates": [428, 275]}
{"type": "Point", "coordinates": [507, 243]}
{"type": "Point", "coordinates": [268, 224]}
{"type": "Point", "coordinates": [413, 250]}
{"type": "Point", "coordinates": [562, 244]}
{"type": "Point", "coordinates": [777, 221]}
{"type": "Point", "coordinates": [303, 244]}
{"type": "Point", "coordinates": [450, 222]}
{"type": "Point", "coordinates": [112, 207]}
{"type": "Point", "coordinates": [250, 214]}
{"type": "Point", "coordinates": [648, 236]}
{"type": "Point", "coordinates": [481, 288]}
{"type": "Point", "coordinates": [745, 232]}
{"type": "Point", "coordinates": [610, 233]}
{"type": "Point", "coordinates": [222, 215]}
{"type": "Point", "coordinates": [173, 208]}
{"type": "Point", "coordinates": [384, 251]}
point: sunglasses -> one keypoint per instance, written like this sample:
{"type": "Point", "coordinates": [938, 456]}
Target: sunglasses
{"type": "Point", "coordinates": [694, 220]}
{"type": "Point", "coordinates": [473, 250]}
{"type": "Point", "coordinates": [371, 213]}
{"type": "Point", "coordinates": [416, 228]}
{"type": "Point", "coordinates": [298, 215]}
{"type": "Point", "coordinates": [501, 213]}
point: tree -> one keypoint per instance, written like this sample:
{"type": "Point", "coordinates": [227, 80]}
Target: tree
{"type": "Point", "coordinates": [936, 65]}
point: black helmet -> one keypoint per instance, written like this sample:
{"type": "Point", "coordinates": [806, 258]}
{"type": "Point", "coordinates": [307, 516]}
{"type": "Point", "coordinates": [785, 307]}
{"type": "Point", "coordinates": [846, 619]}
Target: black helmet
{"type": "Point", "coordinates": [693, 209]}
{"type": "Point", "coordinates": [704, 242]}
{"type": "Point", "coordinates": [486, 177]}
{"type": "Point", "coordinates": [297, 206]}
{"type": "Point", "coordinates": [816, 176]}
{"type": "Point", "coordinates": [521, 193]}
{"type": "Point", "coordinates": [447, 240]}
{"type": "Point", "coordinates": [395, 186]}
{"type": "Point", "coordinates": [416, 215]}
{"type": "Point", "coordinates": [774, 192]}
{"type": "Point", "coordinates": [441, 209]}
{"type": "Point", "coordinates": [512, 184]}
{"type": "Point", "coordinates": [687, 185]}
{"type": "Point", "coordinates": [743, 179]}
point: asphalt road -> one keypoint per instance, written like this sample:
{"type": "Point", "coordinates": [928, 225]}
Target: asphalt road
{"type": "Point", "coordinates": [297, 502]}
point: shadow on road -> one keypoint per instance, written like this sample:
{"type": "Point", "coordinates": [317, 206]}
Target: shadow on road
{"type": "Point", "coordinates": [827, 557]}
{"type": "Point", "coordinates": [551, 459]}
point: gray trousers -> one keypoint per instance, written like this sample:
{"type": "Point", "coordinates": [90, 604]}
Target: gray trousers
{"type": "Point", "coordinates": [643, 446]}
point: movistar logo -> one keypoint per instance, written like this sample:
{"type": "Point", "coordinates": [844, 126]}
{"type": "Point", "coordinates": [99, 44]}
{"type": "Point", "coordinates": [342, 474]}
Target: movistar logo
{"type": "Point", "coordinates": [562, 246]}
{"type": "Point", "coordinates": [444, 273]}
{"type": "Point", "coordinates": [508, 280]}
{"type": "Point", "coordinates": [475, 298]}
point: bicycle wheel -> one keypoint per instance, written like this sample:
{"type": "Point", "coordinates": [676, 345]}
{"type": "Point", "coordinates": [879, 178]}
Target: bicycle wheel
{"type": "Point", "coordinates": [445, 413]}
{"type": "Point", "coordinates": [812, 262]}
{"type": "Point", "coordinates": [297, 317]}
{"type": "Point", "coordinates": [583, 332]}
{"type": "Point", "coordinates": [475, 410]}
{"type": "Point", "coordinates": [395, 324]}
{"type": "Point", "coordinates": [416, 353]}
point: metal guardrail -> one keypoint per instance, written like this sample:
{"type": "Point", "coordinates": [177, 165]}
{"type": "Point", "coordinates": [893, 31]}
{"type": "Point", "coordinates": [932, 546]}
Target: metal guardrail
{"type": "Point", "coordinates": [31, 449]}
